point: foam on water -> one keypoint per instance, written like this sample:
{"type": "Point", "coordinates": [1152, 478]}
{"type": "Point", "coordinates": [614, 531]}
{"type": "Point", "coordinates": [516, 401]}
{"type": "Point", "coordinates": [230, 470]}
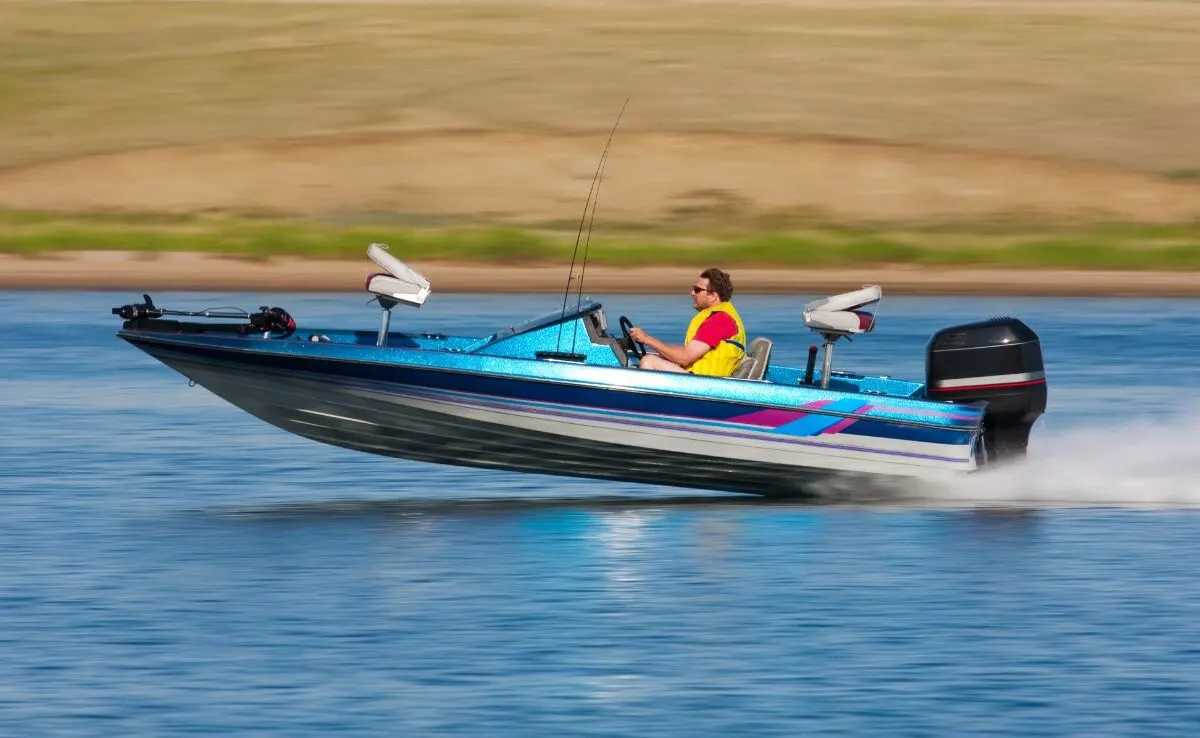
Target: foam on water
{"type": "Point", "coordinates": [1141, 461]}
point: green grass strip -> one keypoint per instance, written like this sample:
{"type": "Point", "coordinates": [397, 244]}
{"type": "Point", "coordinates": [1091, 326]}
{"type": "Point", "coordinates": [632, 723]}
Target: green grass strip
{"type": "Point", "coordinates": [1109, 247]}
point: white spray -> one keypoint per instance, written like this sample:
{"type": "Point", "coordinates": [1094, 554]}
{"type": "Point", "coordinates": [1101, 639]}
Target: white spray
{"type": "Point", "coordinates": [1146, 461]}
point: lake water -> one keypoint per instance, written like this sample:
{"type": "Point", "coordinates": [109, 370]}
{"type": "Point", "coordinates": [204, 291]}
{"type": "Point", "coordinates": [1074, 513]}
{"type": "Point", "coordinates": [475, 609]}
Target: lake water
{"type": "Point", "coordinates": [170, 565]}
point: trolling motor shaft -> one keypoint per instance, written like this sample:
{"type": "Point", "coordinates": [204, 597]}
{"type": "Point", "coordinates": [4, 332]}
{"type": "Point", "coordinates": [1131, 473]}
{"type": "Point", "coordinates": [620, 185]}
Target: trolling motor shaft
{"type": "Point", "coordinates": [268, 320]}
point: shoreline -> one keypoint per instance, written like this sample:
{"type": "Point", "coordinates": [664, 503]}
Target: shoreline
{"type": "Point", "coordinates": [114, 270]}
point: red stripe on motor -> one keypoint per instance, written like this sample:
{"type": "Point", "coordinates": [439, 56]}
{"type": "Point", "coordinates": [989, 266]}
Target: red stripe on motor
{"type": "Point", "coordinates": [974, 387]}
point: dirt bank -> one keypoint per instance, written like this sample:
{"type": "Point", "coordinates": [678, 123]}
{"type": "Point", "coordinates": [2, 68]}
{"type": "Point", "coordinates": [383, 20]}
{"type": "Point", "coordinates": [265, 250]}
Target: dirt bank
{"type": "Point", "coordinates": [138, 272]}
{"type": "Point", "coordinates": [544, 176]}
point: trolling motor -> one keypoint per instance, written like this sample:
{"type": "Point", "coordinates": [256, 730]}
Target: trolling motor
{"type": "Point", "coordinates": [139, 310]}
{"type": "Point", "coordinates": [271, 322]}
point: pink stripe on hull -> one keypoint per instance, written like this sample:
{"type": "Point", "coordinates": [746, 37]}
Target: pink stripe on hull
{"type": "Point", "coordinates": [777, 418]}
{"type": "Point", "coordinates": [845, 423]}
{"type": "Point", "coordinates": [839, 426]}
{"type": "Point", "coordinates": [768, 418]}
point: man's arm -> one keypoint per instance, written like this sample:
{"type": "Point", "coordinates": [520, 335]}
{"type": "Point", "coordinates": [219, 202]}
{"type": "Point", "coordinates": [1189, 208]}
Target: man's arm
{"type": "Point", "coordinates": [684, 356]}
{"type": "Point", "coordinates": [716, 328]}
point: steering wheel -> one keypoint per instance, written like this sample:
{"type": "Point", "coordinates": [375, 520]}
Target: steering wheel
{"type": "Point", "coordinates": [635, 348]}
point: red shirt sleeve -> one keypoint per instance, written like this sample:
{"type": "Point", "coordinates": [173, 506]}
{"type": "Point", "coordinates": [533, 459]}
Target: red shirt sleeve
{"type": "Point", "coordinates": [716, 328]}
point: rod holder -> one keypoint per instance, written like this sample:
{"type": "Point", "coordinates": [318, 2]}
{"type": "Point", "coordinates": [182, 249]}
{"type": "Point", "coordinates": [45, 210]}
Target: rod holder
{"type": "Point", "coordinates": [811, 366]}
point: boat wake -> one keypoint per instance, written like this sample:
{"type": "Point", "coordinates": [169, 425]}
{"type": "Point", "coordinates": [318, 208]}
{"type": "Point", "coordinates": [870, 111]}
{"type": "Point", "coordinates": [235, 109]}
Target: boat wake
{"type": "Point", "coordinates": [1144, 462]}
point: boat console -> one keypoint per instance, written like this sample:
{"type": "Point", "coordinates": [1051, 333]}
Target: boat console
{"type": "Point", "coordinates": [841, 316]}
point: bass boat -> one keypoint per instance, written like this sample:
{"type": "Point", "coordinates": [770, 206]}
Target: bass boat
{"type": "Point", "coordinates": [561, 394]}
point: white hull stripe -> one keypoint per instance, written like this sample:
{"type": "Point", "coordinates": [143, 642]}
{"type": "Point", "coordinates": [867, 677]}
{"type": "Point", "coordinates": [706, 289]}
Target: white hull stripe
{"type": "Point", "coordinates": [995, 379]}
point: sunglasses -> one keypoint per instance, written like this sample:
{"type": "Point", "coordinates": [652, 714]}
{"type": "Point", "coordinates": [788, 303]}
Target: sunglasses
{"type": "Point", "coordinates": [697, 290]}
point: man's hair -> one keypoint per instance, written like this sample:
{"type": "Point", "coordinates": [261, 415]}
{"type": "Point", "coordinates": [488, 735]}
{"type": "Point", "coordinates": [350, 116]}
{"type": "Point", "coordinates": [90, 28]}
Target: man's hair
{"type": "Point", "coordinates": [719, 282]}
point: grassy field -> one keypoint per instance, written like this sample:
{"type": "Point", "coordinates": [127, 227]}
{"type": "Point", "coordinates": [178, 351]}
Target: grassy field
{"type": "Point", "coordinates": [1130, 246]}
{"type": "Point", "coordinates": [1110, 85]}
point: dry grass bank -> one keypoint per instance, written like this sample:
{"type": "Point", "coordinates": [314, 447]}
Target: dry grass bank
{"type": "Point", "coordinates": [1100, 81]}
{"type": "Point", "coordinates": [495, 110]}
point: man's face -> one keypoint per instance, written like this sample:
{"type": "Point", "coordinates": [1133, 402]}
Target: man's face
{"type": "Point", "coordinates": [702, 298]}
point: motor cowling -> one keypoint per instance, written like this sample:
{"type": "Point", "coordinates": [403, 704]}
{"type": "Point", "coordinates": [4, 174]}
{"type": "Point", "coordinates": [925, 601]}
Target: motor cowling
{"type": "Point", "coordinates": [998, 361]}
{"type": "Point", "coordinates": [273, 320]}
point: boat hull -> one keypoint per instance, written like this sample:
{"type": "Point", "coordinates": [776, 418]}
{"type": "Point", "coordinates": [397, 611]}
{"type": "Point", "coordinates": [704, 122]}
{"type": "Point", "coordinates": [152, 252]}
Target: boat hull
{"type": "Point", "coordinates": [406, 418]}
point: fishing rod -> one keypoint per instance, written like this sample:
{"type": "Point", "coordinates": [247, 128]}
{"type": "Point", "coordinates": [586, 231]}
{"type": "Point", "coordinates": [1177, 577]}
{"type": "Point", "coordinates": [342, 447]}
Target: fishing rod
{"type": "Point", "coordinates": [592, 219]}
{"type": "Point", "coordinates": [593, 190]}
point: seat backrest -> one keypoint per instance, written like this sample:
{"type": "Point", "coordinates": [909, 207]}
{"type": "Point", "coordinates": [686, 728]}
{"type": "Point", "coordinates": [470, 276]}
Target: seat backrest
{"type": "Point", "coordinates": [745, 367]}
{"type": "Point", "coordinates": [760, 349]}
{"type": "Point", "coordinates": [754, 364]}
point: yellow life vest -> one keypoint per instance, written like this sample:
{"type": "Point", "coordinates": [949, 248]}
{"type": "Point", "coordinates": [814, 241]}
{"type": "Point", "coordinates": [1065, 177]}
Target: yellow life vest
{"type": "Point", "coordinates": [724, 358]}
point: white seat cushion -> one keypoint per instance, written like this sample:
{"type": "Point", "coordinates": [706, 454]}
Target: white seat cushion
{"type": "Point", "coordinates": [392, 288]}
{"type": "Point", "coordinates": [848, 322]}
{"type": "Point", "coordinates": [843, 315]}
{"type": "Point", "coordinates": [401, 283]}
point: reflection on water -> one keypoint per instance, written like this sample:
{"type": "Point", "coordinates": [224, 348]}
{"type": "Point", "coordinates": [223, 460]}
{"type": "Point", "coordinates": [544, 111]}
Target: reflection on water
{"type": "Point", "coordinates": [486, 506]}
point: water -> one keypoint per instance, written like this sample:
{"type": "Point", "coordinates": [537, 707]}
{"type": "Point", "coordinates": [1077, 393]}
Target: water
{"type": "Point", "coordinates": [169, 565]}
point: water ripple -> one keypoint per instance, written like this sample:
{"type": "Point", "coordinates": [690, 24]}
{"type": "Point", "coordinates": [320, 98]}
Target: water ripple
{"type": "Point", "coordinates": [169, 565]}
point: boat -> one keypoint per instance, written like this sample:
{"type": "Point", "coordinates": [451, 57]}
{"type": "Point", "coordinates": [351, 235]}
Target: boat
{"type": "Point", "coordinates": [560, 394]}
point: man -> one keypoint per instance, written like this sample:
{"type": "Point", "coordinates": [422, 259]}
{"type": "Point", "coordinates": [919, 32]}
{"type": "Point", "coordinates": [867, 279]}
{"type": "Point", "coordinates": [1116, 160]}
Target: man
{"type": "Point", "coordinates": [715, 340]}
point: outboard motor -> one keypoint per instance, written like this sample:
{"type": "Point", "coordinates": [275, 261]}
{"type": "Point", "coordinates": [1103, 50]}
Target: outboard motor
{"type": "Point", "coordinates": [999, 361]}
